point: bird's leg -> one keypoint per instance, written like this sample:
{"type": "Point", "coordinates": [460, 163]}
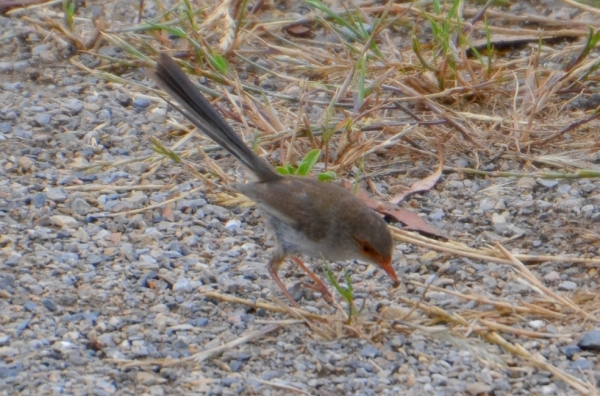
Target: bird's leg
{"type": "Point", "coordinates": [273, 267]}
{"type": "Point", "coordinates": [319, 285]}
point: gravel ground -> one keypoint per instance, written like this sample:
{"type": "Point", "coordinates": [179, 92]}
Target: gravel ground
{"type": "Point", "coordinates": [82, 287]}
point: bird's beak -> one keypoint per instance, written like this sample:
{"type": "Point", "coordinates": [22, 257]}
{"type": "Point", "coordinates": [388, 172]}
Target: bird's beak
{"type": "Point", "coordinates": [387, 267]}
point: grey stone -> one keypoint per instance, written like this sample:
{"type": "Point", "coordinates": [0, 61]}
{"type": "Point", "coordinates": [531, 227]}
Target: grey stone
{"type": "Point", "coordinates": [75, 106]}
{"type": "Point", "coordinates": [56, 195]}
{"type": "Point", "coordinates": [141, 103]}
{"type": "Point", "coordinates": [567, 285]}
{"type": "Point", "coordinates": [590, 341]}
{"type": "Point", "coordinates": [369, 351]}
{"type": "Point", "coordinates": [49, 304]}
{"type": "Point", "coordinates": [81, 207]}
{"type": "Point", "coordinates": [41, 119]}
{"type": "Point", "coordinates": [548, 183]}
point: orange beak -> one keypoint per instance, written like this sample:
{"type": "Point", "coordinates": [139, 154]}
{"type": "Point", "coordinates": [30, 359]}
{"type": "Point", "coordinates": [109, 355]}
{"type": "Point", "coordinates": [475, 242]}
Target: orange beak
{"type": "Point", "coordinates": [387, 267]}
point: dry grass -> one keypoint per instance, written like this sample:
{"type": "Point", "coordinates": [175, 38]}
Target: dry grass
{"type": "Point", "coordinates": [396, 80]}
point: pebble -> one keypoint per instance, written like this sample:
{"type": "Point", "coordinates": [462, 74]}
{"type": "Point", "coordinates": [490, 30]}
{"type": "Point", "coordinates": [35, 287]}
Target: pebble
{"type": "Point", "coordinates": [56, 195]}
{"type": "Point", "coordinates": [548, 183]}
{"type": "Point", "coordinates": [74, 106]}
{"type": "Point", "coordinates": [537, 324]}
{"type": "Point", "coordinates": [437, 214]}
{"type": "Point", "coordinates": [552, 276]}
{"type": "Point", "coordinates": [182, 284]}
{"type": "Point", "coordinates": [478, 388]}
{"type": "Point", "coordinates": [487, 204]}
{"type": "Point", "coordinates": [369, 351]}
{"type": "Point", "coordinates": [571, 350]}
{"type": "Point", "coordinates": [140, 103]}
{"type": "Point", "coordinates": [590, 341]}
{"type": "Point", "coordinates": [49, 304]}
{"type": "Point", "coordinates": [23, 132]}
{"type": "Point", "coordinates": [63, 221]}
{"type": "Point", "coordinates": [567, 285]}
{"type": "Point", "coordinates": [42, 119]}
{"type": "Point", "coordinates": [25, 163]}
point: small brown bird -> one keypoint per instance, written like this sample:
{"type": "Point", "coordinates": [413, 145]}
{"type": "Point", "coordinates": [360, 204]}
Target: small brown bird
{"type": "Point", "coordinates": [306, 216]}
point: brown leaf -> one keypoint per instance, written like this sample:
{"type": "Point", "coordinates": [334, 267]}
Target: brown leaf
{"type": "Point", "coordinates": [168, 214]}
{"type": "Point", "coordinates": [411, 220]}
{"type": "Point", "coordinates": [423, 185]}
{"type": "Point", "coordinates": [298, 30]}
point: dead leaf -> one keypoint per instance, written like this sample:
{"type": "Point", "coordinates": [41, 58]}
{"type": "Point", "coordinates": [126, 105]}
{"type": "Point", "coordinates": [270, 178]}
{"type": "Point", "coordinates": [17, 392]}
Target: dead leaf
{"type": "Point", "coordinates": [411, 220]}
{"type": "Point", "coordinates": [168, 213]}
{"type": "Point", "coordinates": [298, 30]}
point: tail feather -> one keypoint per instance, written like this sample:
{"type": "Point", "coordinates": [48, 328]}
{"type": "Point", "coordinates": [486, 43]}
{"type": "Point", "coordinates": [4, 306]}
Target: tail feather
{"type": "Point", "coordinates": [205, 117]}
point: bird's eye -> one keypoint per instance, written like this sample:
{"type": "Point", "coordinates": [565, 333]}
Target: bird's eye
{"type": "Point", "coordinates": [367, 248]}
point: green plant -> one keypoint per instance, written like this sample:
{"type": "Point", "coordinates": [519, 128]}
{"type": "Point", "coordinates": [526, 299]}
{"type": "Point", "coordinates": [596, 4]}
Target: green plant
{"type": "Point", "coordinates": [347, 292]}
{"type": "Point", "coordinates": [69, 11]}
{"type": "Point", "coordinates": [308, 162]}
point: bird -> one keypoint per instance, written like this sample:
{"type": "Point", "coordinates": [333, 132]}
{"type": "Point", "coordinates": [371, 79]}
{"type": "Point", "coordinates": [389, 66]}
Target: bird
{"type": "Point", "coordinates": [305, 216]}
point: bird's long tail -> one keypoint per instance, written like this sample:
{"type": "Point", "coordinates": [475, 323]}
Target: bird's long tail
{"type": "Point", "coordinates": [205, 117]}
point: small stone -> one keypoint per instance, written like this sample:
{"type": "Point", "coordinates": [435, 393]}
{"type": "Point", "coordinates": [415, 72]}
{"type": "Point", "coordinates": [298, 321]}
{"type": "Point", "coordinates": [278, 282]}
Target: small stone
{"type": "Point", "coordinates": [581, 364]}
{"type": "Point", "coordinates": [548, 183]}
{"type": "Point", "coordinates": [232, 225]}
{"type": "Point", "coordinates": [147, 259]}
{"type": "Point", "coordinates": [118, 206]}
{"type": "Point", "coordinates": [41, 119]}
{"type": "Point", "coordinates": [25, 163]}
{"type": "Point", "coordinates": [477, 388]}
{"type": "Point", "coordinates": [63, 221]}
{"type": "Point", "coordinates": [81, 207]}
{"type": "Point", "coordinates": [271, 374]}
{"type": "Point", "coordinates": [39, 200]}
{"type": "Point", "coordinates": [82, 235]}
{"type": "Point", "coordinates": [526, 182]}
{"type": "Point", "coordinates": [199, 322]}
{"type": "Point", "coordinates": [571, 350]}
{"type": "Point", "coordinates": [235, 366]}
{"type": "Point", "coordinates": [147, 378]}
{"type": "Point", "coordinates": [549, 389]}
{"type": "Point", "coordinates": [182, 284]}
{"type": "Point", "coordinates": [74, 106]}
{"type": "Point", "coordinates": [128, 251]}
{"type": "Point", "coordinates": [23, 132]}
{"type": "Point", "coordinates": [567, 285]}
{"type": "Point", "coordinates": [157, 115]}
{"type": "Point", "coordinates": [141, 103]}
{"type": "Point", "coordinates": [552, 276]}
{"type": "Point", "coordinates": [95, 259]}
{"type": "Point", "coordinates": [437, 214]}
{"type": "Point", "coordinates": [49, 304]}
{"type": "Point", "coordinates": [572, 203]}
{"type": "Point", "coordinates": [499, 223]}
{"type": "Point", "coordinates": [56, 195]}
{"type": "Point", "coordinates": [537, 324]}
{"type": "Point", "coordinates": [369, 351]}
{"type": "Point", "coordinates": [563, 188]}
{"type": "Point", "coordinates": [6, 127]}
{"type": "Point", "coordinates": [123, 99]}
{"type": "Point", "coordinates": [137, 198]}
{"type": "Point", "coordinates": [8, 351]}
{"type": "Point", "coordinates": [487, 204]}
{"type": "Point", "coordinates": [38, 49]}
{"type": "Point", "coordinates": [590, 341]}
{"type": "Point", "coordinates": [137, 168]}
{"type": "Point", "coordinates": [104, 115]}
